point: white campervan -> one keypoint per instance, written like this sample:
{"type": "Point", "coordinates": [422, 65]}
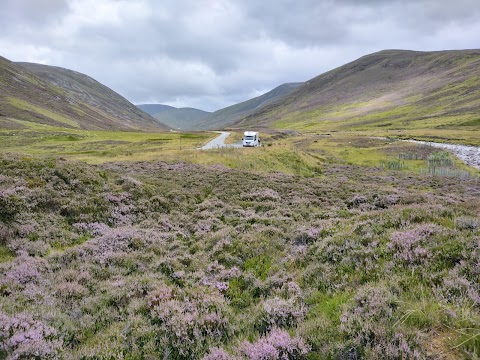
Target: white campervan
{"type": "Point", "coordinates": [251, 138]}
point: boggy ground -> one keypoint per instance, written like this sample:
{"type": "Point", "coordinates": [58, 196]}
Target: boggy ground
{"type": "Point", "coordinates": [180, 261]}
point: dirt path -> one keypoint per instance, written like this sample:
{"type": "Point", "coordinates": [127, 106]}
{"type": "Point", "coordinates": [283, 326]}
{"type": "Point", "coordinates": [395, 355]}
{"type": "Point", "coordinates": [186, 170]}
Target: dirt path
{"type": "Point", "coordinates": [219, 142]}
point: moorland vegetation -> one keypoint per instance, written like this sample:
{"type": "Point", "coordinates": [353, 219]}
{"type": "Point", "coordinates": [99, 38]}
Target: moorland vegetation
{"type": "Point", "coordinates": [325, 259]}
{"type": "Point", "coordinates": [335, 240]}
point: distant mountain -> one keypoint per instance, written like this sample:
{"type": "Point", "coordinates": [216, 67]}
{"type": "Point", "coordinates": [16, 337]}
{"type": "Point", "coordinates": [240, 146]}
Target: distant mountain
{"type": "Point", "coordinates": [65, 98]}
{"type": "Point", "coordinates": [182, 118]}
{"type": "Point", "coordinates": [154, 109]}
{"type": "Point", "coordinates": [391, 89]}
{"type": "Point", "coordinates": [223, 117]}
{"type": "Point", "coordinates": [177, 118]}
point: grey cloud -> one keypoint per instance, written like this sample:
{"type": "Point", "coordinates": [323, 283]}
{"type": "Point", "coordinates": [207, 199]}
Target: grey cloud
{"type": "Point", "coordinates": [420, 14]}
{"type": "Point", "coordinates": [31, 13]}
{"type": "Point", "coordinates": [210, 53]}
{"type": "Point", "coordinates": [299, 23]}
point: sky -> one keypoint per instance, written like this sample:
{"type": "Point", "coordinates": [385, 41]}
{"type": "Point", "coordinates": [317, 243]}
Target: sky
{"type": "Point", "coordinates": [209, 54]}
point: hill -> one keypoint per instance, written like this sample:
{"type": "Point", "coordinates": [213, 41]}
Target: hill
{"type": "Point", "coordinates": [391, 89]}
{"type": "Point", "coordinates": [182, 118]}
{"type": "Point", "coordinates": [153, 109]}
{"type": "Point", "coordinates": [59, 97]}
{"type": "Point", "coordinates": [177, 118]}
{"type": "Point", "coordinates": [226, 116]}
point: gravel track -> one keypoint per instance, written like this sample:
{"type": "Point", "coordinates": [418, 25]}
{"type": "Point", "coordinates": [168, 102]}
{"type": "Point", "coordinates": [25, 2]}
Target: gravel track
{"type": "Point", "coordinates": [468, 154]}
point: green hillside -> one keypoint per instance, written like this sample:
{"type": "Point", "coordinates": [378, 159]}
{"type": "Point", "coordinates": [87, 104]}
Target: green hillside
{"type": "Point", "coordinates": [40, 94]}
{"type": "Point", "coordinates": [226, 116]}
{"type": "Point", "coordinates": [388, 90]}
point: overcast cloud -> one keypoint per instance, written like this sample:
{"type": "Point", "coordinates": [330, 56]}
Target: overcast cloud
{"type": "Point", "coordinates": [211, 54]}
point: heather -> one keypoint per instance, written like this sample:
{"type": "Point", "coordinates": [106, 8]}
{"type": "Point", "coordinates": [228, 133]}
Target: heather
{"type": "Point", "coordinates": [181, 261]}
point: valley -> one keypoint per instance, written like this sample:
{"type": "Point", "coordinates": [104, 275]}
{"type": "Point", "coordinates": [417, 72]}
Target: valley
{"type": "Point", "coordinates": [338, 238]}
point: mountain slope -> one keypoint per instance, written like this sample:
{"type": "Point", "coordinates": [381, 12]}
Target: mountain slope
{"type": "Point", "coordinates": [230, 114]}
{"type": "Point", "coordinates": [182, 118]}
{"type": "Point", "coordinates": [154, 109]}
{"type": "Point", "coordinates": [64, 98]}
{"type": "Point", "coordinates": [177, 118]}
{"type": "Point", "coordinates": [391, 89]}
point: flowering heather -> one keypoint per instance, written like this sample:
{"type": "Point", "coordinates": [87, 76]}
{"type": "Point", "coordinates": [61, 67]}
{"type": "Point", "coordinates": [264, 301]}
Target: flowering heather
{"type": "Point", "coordinates": [457, 288]}
{"type": "Point", "coordinates": [367, 324]}
{"type": "Point", "coordinates": [262, 195]}
{"type": "Point", "coordinates": [114, 242]}
{"type": "Point", "coordinates": [278, 344]}
{"type": "Point", "coordinates": [466, 223]}
{"type": "Point", "coordinates": [22, 337]}
{"type": "Point", "coordinates": [24, 270]}
{"type": "Point", "coordinates": [94, 229]}
{"type": "Point", "coordinates": [180, 261]}
{"type": "Point", "coordinates": [11, 204]}
{"type": "Point", "coordinates": [191, 321]}
{"type": "Point", "coordinates": [410, 245]}
{"type": "Point", "coordinates": [159, 296]}
{"type": "Point", "coordinates": [309, 234]}
{"type": "Point", "coordinates": [279, 312]}
{"type": "Point", "coordinates": [218, 354]}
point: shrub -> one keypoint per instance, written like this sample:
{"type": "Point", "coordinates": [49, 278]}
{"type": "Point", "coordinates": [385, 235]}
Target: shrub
{"type": "Point", "coordinates": [409, 246]}
{"type": "Point", "coordinates": [218, 354]}
{"type": "Point", "coordinates": [457, 289]}
{"type": "Point", "coordinates": [32, 248]}
{"type": "Point", "coordinates": [24, 270]}
{"type": "Point", "coordinates": [279, 312]}
{"type": "Point", "coordinates": [278, 344]}
{"type": "Point", "coordinates": [189, 321]}
{"type": "Point", "coordinates": [466, 223]}
{"type": "Point", "coordinates": [70, 290]}
{"type": "Point", "coordinates": [23, 337]}
{"type": "Point", "coordinates": [262, 195]}
{"type": "Point", "coordinates": [11, 204]}
{"type": "Point", "coordinates": [368, 324]}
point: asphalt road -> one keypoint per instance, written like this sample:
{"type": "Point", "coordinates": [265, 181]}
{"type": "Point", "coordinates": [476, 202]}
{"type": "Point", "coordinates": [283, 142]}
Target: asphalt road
{"type": "Point", "coordinates": [219, 142]}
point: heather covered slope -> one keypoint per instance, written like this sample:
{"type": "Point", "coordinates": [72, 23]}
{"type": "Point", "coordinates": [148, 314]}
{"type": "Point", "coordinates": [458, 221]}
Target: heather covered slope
{"type": "Point", "coordinates": [392, 89]}
{"type": "Point", "coordinates": [41, 94]}
{"type": "Point", "coordinates": [157, 260]}
{"type": "Point", "coordinates": [226, 116]}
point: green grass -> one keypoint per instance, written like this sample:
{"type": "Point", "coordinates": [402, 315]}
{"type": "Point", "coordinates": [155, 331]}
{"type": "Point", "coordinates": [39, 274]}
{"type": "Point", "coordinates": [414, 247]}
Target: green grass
{"type": "Point", "coordinates": [300, 155]}
{"type": "Point", "coordinates": [259, 266]}
{"type": "Point", "coordinates": [463, 129]}
{"type": "Point", "coordinates": [107, 146]}
{"type": "Point", "coordinates": [327, 305]}
{"type": "Point", "coordinates": [277, 158]}
{"type": "Point", "coordinates": [24, 105]}
{"type": "Point", "coordinates": [98, 146]}
{"type": "Point", "coordinates": [6, 254]}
